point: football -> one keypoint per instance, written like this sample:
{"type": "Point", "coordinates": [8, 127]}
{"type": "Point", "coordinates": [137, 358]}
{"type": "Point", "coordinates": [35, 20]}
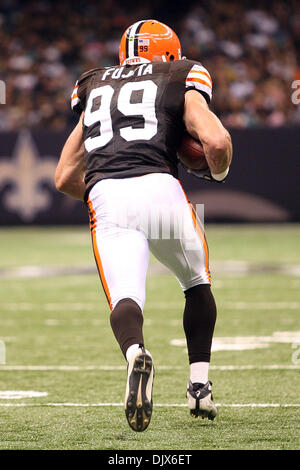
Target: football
{"type": "Point", "coordinates": [191, 153]}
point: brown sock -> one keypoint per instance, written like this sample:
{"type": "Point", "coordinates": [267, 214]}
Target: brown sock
{"type": "Point", "coordinates": [127, 324]}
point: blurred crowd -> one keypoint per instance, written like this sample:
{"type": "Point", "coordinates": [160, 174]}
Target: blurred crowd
{"type": "Point", "coordinates": [251, 50]}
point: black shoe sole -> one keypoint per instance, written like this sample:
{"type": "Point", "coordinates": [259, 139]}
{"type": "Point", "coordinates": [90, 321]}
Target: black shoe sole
{"type": "Point", "coordinates": [138, 408]}
{"type": "Point", "coordinates": [203, 414]}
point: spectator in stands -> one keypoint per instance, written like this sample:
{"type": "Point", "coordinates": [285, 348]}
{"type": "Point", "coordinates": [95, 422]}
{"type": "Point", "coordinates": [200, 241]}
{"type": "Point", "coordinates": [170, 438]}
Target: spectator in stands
{"type": "Point", "coordinates": [251, 50]}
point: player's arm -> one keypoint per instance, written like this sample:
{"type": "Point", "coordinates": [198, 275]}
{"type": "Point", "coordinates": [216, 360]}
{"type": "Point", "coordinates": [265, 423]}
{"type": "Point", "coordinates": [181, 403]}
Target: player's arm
{"type": "Point", "coordinates": [69, 175]}
{"type": "Point", "coordinates": [204, 125]}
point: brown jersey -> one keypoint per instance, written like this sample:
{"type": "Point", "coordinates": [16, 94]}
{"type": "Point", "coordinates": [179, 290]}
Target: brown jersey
{"type": "Point", "coordinates": [133, 116]}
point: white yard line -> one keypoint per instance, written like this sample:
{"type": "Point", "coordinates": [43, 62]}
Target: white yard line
{"type": "Point", "coordinates": [240, 343]}
{"type": "Point", "coordinates": [260, 305]}
{"type": "Point", "coordinates": [17, 394]}
{"type": "Point", "coordinates": [158, 405]}
{"type": "Point", "coordinates": [228, 267]}
{"type": "Point", "coordinates": [96, 306]}
{"type": "Point", "coordinates": [266, 305]}
{"type": "Point", "coordinates": [158, 367]}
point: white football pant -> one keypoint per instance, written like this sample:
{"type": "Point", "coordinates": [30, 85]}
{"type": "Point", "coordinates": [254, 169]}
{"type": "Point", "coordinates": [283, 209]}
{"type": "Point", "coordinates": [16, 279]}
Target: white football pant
{"type": "Point", "coordinates": [132, 216]}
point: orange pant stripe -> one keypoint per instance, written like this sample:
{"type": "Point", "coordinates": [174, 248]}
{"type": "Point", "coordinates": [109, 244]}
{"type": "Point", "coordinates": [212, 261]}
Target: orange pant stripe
{"type": "Point", "coordinates": [93, 225]}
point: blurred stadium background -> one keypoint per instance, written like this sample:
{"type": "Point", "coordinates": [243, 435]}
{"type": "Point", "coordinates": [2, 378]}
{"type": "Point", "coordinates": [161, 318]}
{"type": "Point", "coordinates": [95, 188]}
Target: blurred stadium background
{"type": "Point", "coordinates": [53, 314]}
{"type": "Point", "coordinates": [250, 48]}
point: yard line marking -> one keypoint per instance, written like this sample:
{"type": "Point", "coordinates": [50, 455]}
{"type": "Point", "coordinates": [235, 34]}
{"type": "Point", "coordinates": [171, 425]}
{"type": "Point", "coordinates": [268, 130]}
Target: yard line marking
{"type": "Point", "coordinates": [26, 306]}
{"type": "Point", "coordinates": [17, 394]}
{"type": "Point", "coordinates": [158, 367]}
{"type": "Point", "coordinates": [8, 339]}
{"type": "Point", "coordinates": [292, 305]}
{"type": "Point", "coordinates": [240, 343]}
{"type": "Point", "coordinates": [41, 271]}
{"type": "Point", "coordinates": [60, 368]}
{"type": "Point", "coordinates": [178, 305]}
{"type": "Point", "coordinates": [229, 267]}
{"type": "Point", "coordinates": [260, 305]}
{"type": "Point", "coordinates": [71, 306]}
{"type": "Point", "coordinates": [158, 405]}
{"type": "Point", "coordinates": [238, 285]}
{"type": "Point", "coordinates": [253, 367]}
{"type": "Point", "coordinates": [259, 405]}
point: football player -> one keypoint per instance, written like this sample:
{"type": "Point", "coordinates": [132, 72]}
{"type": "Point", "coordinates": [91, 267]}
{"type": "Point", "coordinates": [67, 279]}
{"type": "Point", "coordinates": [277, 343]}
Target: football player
{"type": "Point", "coordinates": [121, 159]}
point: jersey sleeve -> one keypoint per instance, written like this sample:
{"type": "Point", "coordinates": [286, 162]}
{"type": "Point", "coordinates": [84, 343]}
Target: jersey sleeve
{"type": "Point", "coordinates": [76, 103]}
{"type": "Point", "coordinates": [199, 79]}
{"type": "Point", "coordinates": [78, 97]}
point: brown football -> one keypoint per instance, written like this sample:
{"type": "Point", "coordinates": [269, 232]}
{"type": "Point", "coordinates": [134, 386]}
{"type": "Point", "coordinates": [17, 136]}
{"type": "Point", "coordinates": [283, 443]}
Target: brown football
{"type": "Point", "coordinates": [191, 153]}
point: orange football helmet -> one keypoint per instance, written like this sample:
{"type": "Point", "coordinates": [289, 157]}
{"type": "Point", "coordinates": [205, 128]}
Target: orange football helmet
{"type": "Point", "coordinates": [149, 40]}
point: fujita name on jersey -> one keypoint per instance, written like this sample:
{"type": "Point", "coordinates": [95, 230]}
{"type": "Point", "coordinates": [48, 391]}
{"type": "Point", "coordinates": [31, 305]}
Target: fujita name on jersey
{"type": "Point", "coordinates": [143, 69]}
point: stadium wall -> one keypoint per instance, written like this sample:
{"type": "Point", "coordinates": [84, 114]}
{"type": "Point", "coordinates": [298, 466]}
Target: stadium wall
{"type": "Point", "coordinates": [263, 185]}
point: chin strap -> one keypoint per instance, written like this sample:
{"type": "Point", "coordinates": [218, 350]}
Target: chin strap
{"type": "Point", "coordinates": [141, 60]}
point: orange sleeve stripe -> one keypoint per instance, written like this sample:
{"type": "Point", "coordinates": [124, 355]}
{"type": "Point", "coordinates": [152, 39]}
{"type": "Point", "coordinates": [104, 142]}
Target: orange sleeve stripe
{"type": "Point", "coordinates": [203, 73]}
{"type": "Point", "coordinates": [74, 96]}
{"type": "Point", "coordinates": [199, 81]}
{"type": "Point", "coordinates": [93, 224]}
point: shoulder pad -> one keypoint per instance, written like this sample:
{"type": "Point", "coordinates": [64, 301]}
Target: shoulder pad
{"type": "Point", "coordinates": [88, 74]}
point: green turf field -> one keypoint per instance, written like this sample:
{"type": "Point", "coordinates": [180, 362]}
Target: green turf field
{"type": "Point", "coordinates": [54, 323]}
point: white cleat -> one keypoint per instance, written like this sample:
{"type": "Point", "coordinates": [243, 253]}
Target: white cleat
{"type": "Point", "coordinates": [200, 400]}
